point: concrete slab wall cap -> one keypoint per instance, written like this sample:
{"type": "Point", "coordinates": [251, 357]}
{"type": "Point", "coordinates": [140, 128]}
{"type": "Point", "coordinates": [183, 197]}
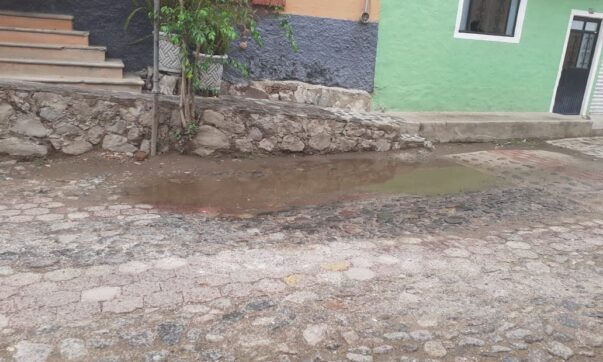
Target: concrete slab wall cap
{"type": "Point", "coordinates": [486, 127]}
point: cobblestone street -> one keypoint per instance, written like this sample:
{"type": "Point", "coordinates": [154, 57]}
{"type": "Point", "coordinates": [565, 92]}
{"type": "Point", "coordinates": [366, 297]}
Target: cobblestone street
{"type": "Point", "coordinates": [510, 271]}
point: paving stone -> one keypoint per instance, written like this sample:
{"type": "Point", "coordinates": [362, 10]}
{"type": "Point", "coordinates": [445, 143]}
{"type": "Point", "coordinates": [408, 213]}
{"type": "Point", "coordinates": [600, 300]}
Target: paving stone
{"type": "Point", "coordinates": [170, 263]}
{"type": "Point", "coordinates": [100, 343]}
{"type": "Point", "coordinates": [156, 356]}
{"type": "Point", "coordinates": [538, 355]}
{"type": "Point", "coordinates": [133, 267]}
{"type": "Point", "coordinates": [62, 274]}
{"type": "Point", "coordinates": [196, 309]}
{"type": "Point", "coordinates": [314, 334]}
{"type": "Point", "coordinates": [538, 267]}
{"type": "Point", "coordinates": [263, 321]}
{"type": "Point", "coordinates": [397, 336]}
{"type": "Point", "coordinates": [383, 349]}
{"type": "Point", "coordinates": [355, 357]}
{"type": "Point", "coordinates": [301, 297]}
{"type": "Point", "coordinates": [77, 215]}
{"type": "Point", "coordinates": [435, 349]}
{"type": "Point", "coordinates": [22, 279]}
{"type": "Point", "coordinates": [471, 342]}
{"type": "Point", "coordinates": [457, 253]}
{"type": "Point", "coordinates": [32, 352]}
{"type": "Point", "coordinates": [421, 335]}
{"type": "Point", "coordinates": [163, 299]}
{"type": "Point", "coordinates": [3, 321]}
{"type": "Point", "coordinates": [270, 286]}
{"type": "Point", "coordinates": [60, 298]}
{"type": "Point", "coordinates": [100, 294]}
{"type": "Point", "coordinates": [427, 322]}
{"type": "Point", "coordinates": [361, 274]}
{"type": "Point", "coordinates": [123, 304]}
{"type": "Point", "coordinates": [36, 211]}
{"type": "Point", "coordinates": [500, 349]}
{"type": "Point", "coordinates": [336, 266]}
{"type": "Point", "coordinates": [140, 338]}
{"type": "Point", "coordinates": [518, 245]}
{"type": "Point", "coordinates": [560, 350]}
{"type": "Point", "coordinates": [351, 337]}
{"type": "Point", "coordinates": [6, 270]}
{"type": "Point", "coordinates": [170, 332]}
{"type": "Point", "coordinates": [40, 262]}
{"type": "Point", "coordinates": [73, 349]}
{"type": "Point", "coordinates": [589, 339]}
{"type": "Point", "coordinates": [518, 333]}
{"type": "Point", "coordinates": [568, 320]}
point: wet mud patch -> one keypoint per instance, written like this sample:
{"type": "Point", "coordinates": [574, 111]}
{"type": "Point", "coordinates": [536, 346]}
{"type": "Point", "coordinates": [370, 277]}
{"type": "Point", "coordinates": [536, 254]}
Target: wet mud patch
{"type": "Point", "coordinates": [273, 187]}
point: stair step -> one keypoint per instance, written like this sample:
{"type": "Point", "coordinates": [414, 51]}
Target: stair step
{"type": "Point", "coordinates": [60, 68]}
{"type": "Point", "coordinates": [35, 20]}
{"type": "Point", "coordinates": [130, 84]}
{"type": "Point", "coordinates": [43, 36]}
{"type": "Point", "coordinates": [52, 52]}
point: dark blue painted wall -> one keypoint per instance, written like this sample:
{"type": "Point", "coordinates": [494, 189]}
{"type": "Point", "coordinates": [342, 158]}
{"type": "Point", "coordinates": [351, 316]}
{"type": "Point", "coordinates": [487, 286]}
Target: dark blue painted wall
{"type": "Point", "coordinates": [331, 52]}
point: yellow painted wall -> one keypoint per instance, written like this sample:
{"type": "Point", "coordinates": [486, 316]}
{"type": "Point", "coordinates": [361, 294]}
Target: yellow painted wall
{"type": "Point", "coordinates": [334, 9]}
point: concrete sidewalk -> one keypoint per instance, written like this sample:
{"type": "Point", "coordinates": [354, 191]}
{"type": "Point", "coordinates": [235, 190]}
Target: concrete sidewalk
{"type": "Point", "coordinates": [484, 127]}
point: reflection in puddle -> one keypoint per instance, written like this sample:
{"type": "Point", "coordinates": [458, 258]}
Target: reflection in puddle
{"type": "Point", "coordinates": [278, 186]}
{"type": "Point", "coordinates": [431, 180]}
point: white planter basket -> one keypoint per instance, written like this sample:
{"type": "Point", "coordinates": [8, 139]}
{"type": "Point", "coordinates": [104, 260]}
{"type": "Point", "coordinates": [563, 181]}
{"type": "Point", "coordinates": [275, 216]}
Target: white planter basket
{"type": "Point", "coordinates": [210, 74]}
{"type": "Point", "coordinates": [169, 55]}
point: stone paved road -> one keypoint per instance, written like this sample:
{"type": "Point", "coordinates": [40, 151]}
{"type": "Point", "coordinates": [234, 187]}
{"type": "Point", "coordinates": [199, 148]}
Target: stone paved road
{"type": "Point", "coordinates": [512, 273]}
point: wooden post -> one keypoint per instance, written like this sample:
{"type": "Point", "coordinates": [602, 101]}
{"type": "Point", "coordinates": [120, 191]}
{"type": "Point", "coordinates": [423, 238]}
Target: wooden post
{"type": "Point", "coordinates": [155, 126]}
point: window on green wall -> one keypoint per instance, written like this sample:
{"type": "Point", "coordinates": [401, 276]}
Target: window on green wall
{"type": "Point", "coordinates": [490, 17]}
{"type": "Point", "coordinates": [491, 20]}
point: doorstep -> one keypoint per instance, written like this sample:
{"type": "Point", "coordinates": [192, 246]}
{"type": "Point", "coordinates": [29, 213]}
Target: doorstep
{"type": "Point", "coordinates": [447, 127]}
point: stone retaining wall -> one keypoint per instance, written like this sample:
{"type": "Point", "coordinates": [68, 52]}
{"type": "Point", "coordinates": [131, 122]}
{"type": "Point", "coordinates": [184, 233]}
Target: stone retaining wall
{"type": "Point", "coordinates": [304, 93]}
{"type": "Point", "coordinates": [37, 120]}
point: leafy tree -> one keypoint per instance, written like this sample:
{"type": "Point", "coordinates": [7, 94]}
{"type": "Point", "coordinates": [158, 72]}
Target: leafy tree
{"type": "Point", "coordinates": [208, 27]}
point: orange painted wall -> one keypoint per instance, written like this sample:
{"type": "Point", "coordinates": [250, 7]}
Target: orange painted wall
{"type": "Point", "coordinates": [334, 9]}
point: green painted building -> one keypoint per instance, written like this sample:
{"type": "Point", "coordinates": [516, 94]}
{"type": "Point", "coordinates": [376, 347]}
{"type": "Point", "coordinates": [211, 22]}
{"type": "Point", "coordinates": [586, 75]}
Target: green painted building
{"type": "Point", "coordinates": [490, 56]}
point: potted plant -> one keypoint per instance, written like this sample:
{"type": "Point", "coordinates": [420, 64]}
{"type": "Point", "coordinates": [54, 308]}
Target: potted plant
{"type": "Point", "coordinates": [211, 60]}
{"type": "Point", "coordinates": [203, 30]}
{"type": "Point", "coordinates": [169, 53]}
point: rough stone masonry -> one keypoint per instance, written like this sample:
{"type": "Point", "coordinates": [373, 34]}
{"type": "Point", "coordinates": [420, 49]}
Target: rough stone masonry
{"type": "Point", "coordinates": [37, 120]}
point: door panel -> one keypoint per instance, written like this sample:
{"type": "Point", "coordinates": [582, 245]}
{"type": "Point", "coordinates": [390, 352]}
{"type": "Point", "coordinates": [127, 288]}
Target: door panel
{"type": "Point", "coordinates": [577, 65]}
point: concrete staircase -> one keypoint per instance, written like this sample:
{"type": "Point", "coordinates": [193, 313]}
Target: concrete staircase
{"type": "Point", "coordinates": [45, 48]}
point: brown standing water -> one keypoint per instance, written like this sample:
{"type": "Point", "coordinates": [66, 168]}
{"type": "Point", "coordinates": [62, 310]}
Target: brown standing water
{"type": "Point", "coordinates": [279, 186]}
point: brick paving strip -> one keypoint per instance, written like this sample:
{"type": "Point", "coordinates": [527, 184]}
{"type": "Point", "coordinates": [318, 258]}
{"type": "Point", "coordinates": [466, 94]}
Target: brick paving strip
{"type": "Point", "coordinates": [591, 146]}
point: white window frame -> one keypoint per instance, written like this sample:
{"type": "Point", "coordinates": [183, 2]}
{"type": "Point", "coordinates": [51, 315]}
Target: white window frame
{"type": "Point", "coordinates": [515, 39]}
{"type": "Point", "coordinates": [588, 93]}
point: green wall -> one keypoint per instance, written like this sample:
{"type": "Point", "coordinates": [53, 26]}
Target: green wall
{"type": "Point", "coordinates": [422, 67]}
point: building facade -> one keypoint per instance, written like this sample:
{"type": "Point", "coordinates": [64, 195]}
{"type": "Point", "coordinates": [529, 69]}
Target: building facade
{"type": "Point", "coordinates": [490, 56]}
{"type": "Point", "coordinates": [335, 48]}
{"type": "Point", "coordinates": [412, 55]}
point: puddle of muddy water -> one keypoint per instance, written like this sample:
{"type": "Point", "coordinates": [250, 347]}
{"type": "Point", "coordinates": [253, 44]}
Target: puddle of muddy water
{"type": "Point", "coordinates": [277, 186]}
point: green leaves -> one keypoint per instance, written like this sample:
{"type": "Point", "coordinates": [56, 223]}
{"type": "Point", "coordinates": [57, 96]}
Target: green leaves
{"type": "Point", "coordinates": [209, 27]}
